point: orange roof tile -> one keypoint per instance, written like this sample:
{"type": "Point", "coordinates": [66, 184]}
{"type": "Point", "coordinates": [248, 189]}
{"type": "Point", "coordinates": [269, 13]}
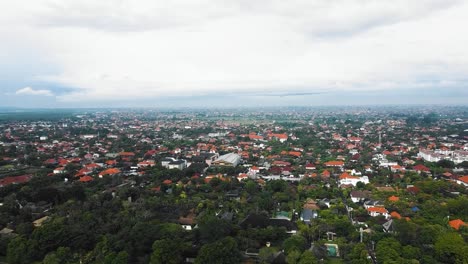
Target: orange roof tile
{"type": "Point", "coordinates": [395, 215]}
{"type": "Point", "coordinates": [457, 223]}
{"type": "Point", "coordinates": [334, 163]}
{"type": "Point", "coordinates": [381, 210]}
{"type": "Point", "coordinates": [295, 153]}
{"type": "Point", "coordinates": [126, 154]}
{"type": "Point", "coordinates": [167, 182]}
{"type": "Point", "coordinates": [110, 171]}
{"type": "Point", "coordinates": [345, 175]}
{"type": "Point", "coordinates": [281, 136]}
{"type": "Point", "coordinates": [254, 137]}
{"type": "Point", "coordinates": [111, 162]}
{"type": "Point", "coordinates": [86, 178]}
{"type": "Point", "coordinates": [463, 179]}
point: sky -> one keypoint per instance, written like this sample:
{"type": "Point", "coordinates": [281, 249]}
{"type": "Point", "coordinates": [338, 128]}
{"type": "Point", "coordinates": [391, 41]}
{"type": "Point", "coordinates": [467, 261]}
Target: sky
{"type": "Point", "coordinates": [123, 53]}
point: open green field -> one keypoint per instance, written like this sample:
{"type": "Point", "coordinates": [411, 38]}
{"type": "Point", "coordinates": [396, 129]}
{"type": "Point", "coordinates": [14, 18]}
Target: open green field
{"type": "Point", "coordinates": [7, 167]}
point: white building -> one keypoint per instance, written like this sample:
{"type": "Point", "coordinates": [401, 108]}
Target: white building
{"type": "Point", "coordinates": [346, 179]}
{"type": "Point", "coordinates": [230, 159]}
{"type": "Point", "coordinates": [457, 156]}
{"type": "Point", "coordinates": [172, 163]}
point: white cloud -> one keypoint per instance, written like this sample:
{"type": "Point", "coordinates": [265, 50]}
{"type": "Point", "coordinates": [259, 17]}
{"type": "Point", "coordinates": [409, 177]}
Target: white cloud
{"type": "Point", "coordinates": [138, 49]}
{"type": "Point", "coordinates": [31, 91]}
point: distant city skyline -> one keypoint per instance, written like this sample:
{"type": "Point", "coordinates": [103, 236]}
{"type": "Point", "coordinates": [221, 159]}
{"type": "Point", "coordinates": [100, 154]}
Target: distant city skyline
{"type": "Point", "coordinates": [57, 54]}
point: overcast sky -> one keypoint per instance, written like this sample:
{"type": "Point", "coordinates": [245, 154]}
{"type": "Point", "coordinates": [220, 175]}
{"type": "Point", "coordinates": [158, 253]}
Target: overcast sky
{"type": "Point", "coordinates": [88, 53]}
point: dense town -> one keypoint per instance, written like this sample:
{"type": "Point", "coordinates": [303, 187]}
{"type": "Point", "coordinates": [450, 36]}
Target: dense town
{"type": "Point", "coordinates": [288, 185]}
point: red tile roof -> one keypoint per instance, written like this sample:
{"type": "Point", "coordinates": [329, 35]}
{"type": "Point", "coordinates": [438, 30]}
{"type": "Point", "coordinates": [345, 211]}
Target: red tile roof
{"type": "Point", "coordinates": [295, 153]}
{"type": "Point", "coordinates": [255, 137]}
{"type": "Point", "coordinates": [413, 190]}
{"type": "Point", "coordinates": [381, 210]}
{"type": "Point", "coordinates": [345, 175]}
{"type": "Point", "coordinates": [421, 167]}
{"type": "Point", "coordinates": [86, 178]}
{"type": "Point", "coordinates": [110, 171]}
{"type": "Point", "coordinates": [126, 154]}
{"type": "Point", "coordinates": [334, 163]}
{"type": "Point", "coordinates": [167, 182]}
{"type": "Point", "coordinates": [111, 162]}
{"type": "Point", "coordinates": [15, 179]}
{"type": "Point", "coordinates": [93, 166]}
{"type": "Point", "coordinates": [463, 179]}
{"type": "Point", "coordinates": [395, 215]}
{"type": "Point", "coordinates": [280, 136]}
{"type": "Point", "coordinates": [457, 223]}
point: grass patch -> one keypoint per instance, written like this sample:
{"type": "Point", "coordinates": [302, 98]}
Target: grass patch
{"type": "Point", "coordinates": [7, 167]}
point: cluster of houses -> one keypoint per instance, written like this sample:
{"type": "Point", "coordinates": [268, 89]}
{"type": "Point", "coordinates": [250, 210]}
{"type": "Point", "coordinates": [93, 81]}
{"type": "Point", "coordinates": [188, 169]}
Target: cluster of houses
{"type": "Point", "coordinates": [88, 147]}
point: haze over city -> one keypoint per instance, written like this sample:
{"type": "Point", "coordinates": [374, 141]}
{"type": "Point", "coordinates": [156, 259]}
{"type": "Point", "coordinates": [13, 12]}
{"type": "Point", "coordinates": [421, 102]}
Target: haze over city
{"type": "Point", "coordinates": [232, 53]}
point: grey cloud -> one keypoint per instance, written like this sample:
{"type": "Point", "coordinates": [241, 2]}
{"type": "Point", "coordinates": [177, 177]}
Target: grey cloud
{"type": "Point", "coordinates": [322, 18]}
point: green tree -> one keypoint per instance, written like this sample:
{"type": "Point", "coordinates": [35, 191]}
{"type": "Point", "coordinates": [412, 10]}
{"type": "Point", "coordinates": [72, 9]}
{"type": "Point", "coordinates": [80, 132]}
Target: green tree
{"type": "Point", "coordinates": [410, 252]}
{"type": "Point", "coordinates": [212, 228]}
{"type": "Point", "coordinates": [451, 248]}
{"type": "Point", "coordinates": [62, 255]}
{"type": "Point", "coordinates": [21, 250]}
{"type": "Point", "coordinates": [266, 254]}
{"type": "Point", "coordinates": [251, 187]}
{"type": "Point", "coordinates": [308, 258]}
{"type": "Point", "coordinates": [167, 251]}
{"type": "Point", "coordinates": [293, 257]}
{"type": "Point", "coordinates": [222, 251]}
{"type": "Point", "coordinates": [51, 235]}
{"type": "Point", "coordinates": [296, 242]}
{"type": "Point", "coordinates": [446, 164]}
{"type": "Point", "coordinates": [103, 253]}
{"type": "Point", "coordinates": [359, 254]}
{"type": "Point", "coordinates": [387, 251]}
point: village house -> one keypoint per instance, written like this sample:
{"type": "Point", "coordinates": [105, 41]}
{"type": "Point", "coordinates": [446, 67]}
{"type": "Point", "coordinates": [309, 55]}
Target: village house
{"type": "Point", "coordinates": [346, 179]}
{"type": "Point", "coordinates": [378, 211]}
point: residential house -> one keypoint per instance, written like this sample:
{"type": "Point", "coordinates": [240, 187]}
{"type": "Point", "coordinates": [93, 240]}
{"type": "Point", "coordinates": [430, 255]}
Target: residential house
{"type": "Point", "coordinates": [463, 181]}
{"type": "Point", "coordinates": [346, 179]}
{"type": "Point", "coordinates": [177, 164]}
{"type": "Point", "coordinates": [334, 163]}
{"type": "Point", "coordinates": [378, 211]}
{"type": "Point", "coordinates": [15, 180]}
{"type": "Point", "coordinates": [359, 196]}
{"type": "Point", "coordinates": [310, 211]}
{"type": "Point", "coordinates": [310, 166]}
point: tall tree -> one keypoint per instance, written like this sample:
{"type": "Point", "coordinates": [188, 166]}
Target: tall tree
{"type": "Point", "coordinates": [222, 251]}
{"type": "Point", "coordinates": [296, 242]}
{"type": "Point", "coordinates": [308, 258]}
{"type": "Point", "coordinates": [167, 251]}
{"type": "Point", "coordinates": [21, 251]}
{"type": "Point", "coordinates": [451, 248]}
